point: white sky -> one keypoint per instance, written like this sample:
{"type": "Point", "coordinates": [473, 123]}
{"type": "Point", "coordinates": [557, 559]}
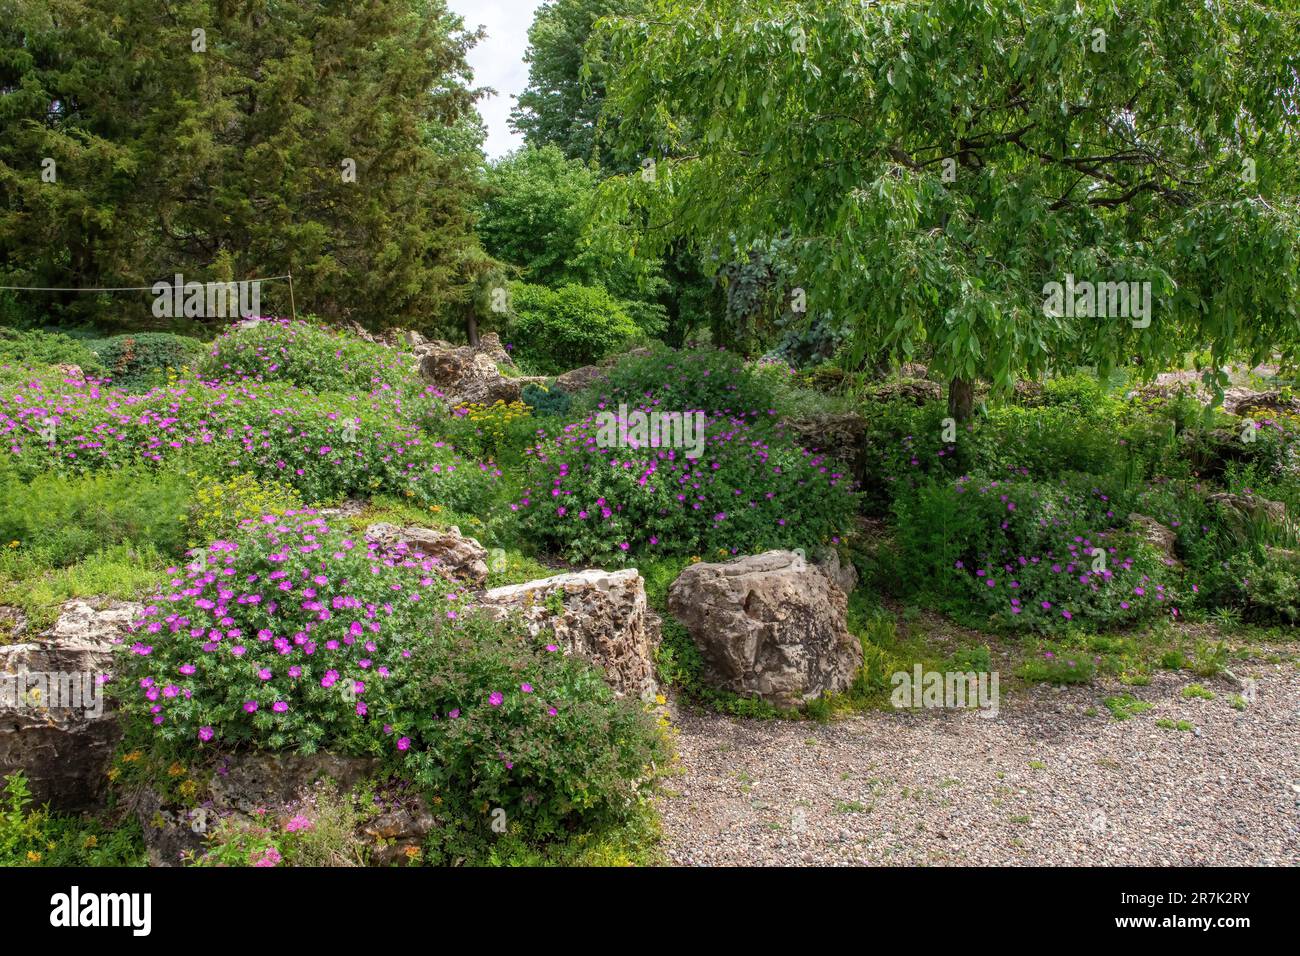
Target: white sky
{"type": "Point", "coordinates": [498, 62]}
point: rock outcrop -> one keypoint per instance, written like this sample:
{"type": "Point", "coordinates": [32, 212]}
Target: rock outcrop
{"type": "Point", "coordinates": [461, 558]}
{"type": "Point", "coordinates": [56, 723]}
{"type": "Point", "coordinates": [599, 615]}
{"type": "Point", "coordinates": [771, 625]}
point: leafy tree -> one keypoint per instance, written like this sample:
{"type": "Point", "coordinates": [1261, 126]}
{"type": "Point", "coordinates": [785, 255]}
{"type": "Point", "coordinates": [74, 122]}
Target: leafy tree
{"type": "Point", "coordinates": [938, 163]}
{"type": "Point", "coordinates": [225, 154]}
{"type": "Point", "coordinates": [566, 77]}
{"type": "Point", "coordinates": [537, 217]}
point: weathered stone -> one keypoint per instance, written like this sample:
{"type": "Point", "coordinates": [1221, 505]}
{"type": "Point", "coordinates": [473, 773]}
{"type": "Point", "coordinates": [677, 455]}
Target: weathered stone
{"type": "Point", "coordinates": [1240, 511]}
{"type": "Point", "coordinates": [580, 379]}
{"type": "Point", "coordinates": [490, 344]}
{"type": "Point", "coordinates": [842, 573]}
{"type": "Point", "coordinates": [1244, 401]}
{"type": "Point", "coordinates": [770, 625]}
{"type": "Point", "coordinates": [839, 435]}
{"type": "Point", "coordinates": [248, 782]}
{"type": "Point", "coordinates": [461, 558]}
{"type": "Point", "coordinates": [468, 376]}
{"type": "Point", "coordinates": [604, 619]}
{"type": "Point", "coordinates": [56, 723]}
{"type": "Point", "coordinates": [1161, 538]}
{"type": "Point", "coordinates": [916, 391]}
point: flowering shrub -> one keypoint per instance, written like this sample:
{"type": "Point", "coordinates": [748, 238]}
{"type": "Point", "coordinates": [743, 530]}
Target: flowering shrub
{"type": "Point", "coordinates": [305, 355]}
{"type": "Point", "coordinates": [711, 380]}
{"type": "Point", "coordinates": [296, 637]}
{"type": "Point", "coordinates": [325, 446]}
{"type": "Point", "coordinates": [489, 427]}
{"type": "Point", "coordinates": [750, 490]}
{"type": "Point", "coordinates": [299, 636]}
{"type": "Point", "coordinates": [221, 506]}
{"type": "Point", "coordinates": [1026, 554]}
{"type": "Point", "coordinates": [502, 720]}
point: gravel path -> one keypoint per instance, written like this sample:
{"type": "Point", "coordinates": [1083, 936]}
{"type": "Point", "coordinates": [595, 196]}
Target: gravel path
{"type": "Point", "coordinates": [1044, 783]}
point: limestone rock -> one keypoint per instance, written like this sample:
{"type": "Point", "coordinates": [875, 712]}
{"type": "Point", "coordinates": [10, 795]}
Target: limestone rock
{"type": "Point", "coordinates": [56, 723]}
{"type": "Point", "coordinates": [770, 625]}
{"type": "Point", "coordinates": [604, 619]}
{"type": "Point", "coordinates": [461, 558]}
{"type": "Point", "coordinates": [1161, 538]}
{"type": "Point", "coordinates": [580, 379]}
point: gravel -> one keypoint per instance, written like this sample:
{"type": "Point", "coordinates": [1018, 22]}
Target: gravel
{"type": "Point", "coordinates": [1044, 783]}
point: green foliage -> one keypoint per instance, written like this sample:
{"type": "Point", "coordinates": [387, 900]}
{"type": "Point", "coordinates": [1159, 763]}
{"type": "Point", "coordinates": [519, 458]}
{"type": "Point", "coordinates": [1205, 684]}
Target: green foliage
{"type": "Point", "coordinates": [37, 837]}
{"type": "Point", "coordinates": [547, 403]}
{"type": "Point", "coordinates": [508, 721]}
{"type": "Point", "coordinates": [220, 507]}
{"type": "Point", "coordinates": [226, 164]}
{"type": "Point", "coordinates": [306, 355]}
{"type": "Point", "coordinates": [566, 77]}
{"type": "Point", "coordinates": [1124, 706]}
{"type": "Point", "coordinates": [46, 348]}
{"type": "Point", "coordinates": [140, 360]}
{"type": "Point", "coordinates": [56, 520]}
{"type": "Point", "coordinates": [574, 325]}
{"type": "Point", "coordinates": [933, 207]}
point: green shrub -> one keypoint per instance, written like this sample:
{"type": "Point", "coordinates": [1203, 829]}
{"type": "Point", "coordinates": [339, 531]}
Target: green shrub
{"type": "Point", "coordinates": [222, 505]}
{"type": "Point", "coordinates": [47, 348]}
{"type": "Point", "coordinates": [502, 721]}
{"type": "Point", "coordinates": [709, 380]}
{"type": "Point", "coordinates": [57, 520]}
{"type": "Point", "coordinates": [306, 355]}
{"type": "Point", "coordinates": [558, 329]}
{"type": "Point", "coordinates": [140, 360]}
{"type": "Point", "coordinates": [547, 403]}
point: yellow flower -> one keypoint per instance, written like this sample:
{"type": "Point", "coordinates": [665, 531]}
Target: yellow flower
{"type": "Point", "coordinates": [89, 842]}
{"type": "Point", "coordinates": [175, 770]}
{"type": "Point", "coordinates": [13, 544]}
{"type": "Point", "coordinates": [33, 856]}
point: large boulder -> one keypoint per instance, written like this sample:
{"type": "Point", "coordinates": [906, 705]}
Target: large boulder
{"type": "Point", "coordinates": [467, 375]}
{"type": "Point", "coordinates": [581, 379]}
{"type": "Point", "coordinates": [599, 615]}
{"type": "Point", "coordinates": [460, 557]}
{"type": "Point", "coordinates": [56, 724]}
{"type": "Point", "coordinates": [771, 625]}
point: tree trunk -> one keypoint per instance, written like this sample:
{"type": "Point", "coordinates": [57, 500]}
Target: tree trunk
{"type": "Point", "coordinates": [961, 399]}
{"type": "Point", "coordinates": [471, 326]}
